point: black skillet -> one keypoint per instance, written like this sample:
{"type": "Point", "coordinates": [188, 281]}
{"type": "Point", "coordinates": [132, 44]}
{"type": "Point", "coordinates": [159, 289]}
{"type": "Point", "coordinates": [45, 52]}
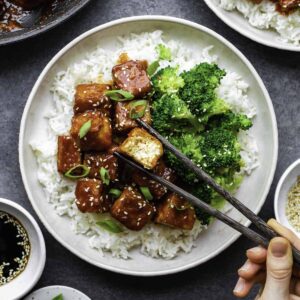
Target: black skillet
{"type": "Point", "coordinates": [34, 25]}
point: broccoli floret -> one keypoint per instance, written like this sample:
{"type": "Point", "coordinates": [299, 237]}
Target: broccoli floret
{"type": "Point", "coordinates": [189, 145]}
{"type": "Point", "coordinates": [199, 90]}
{"type": "Point", "coordinates": [166, 81]}
{"type": "Point", "coordinates": [231, 121]}
{"type": "Point", "coordinates": [221, 151]}
{"type": "Point", "coordinates": [164, 52]}
{"type": "Point", "coordinates": [171, 114]}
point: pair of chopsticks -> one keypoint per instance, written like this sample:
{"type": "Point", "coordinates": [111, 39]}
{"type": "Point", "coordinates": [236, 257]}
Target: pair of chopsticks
{"type": "Point", "coordinates": [267, 232]}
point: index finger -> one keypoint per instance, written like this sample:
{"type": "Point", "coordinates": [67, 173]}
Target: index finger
{"type": "Point", "coordinates": [285, 232]}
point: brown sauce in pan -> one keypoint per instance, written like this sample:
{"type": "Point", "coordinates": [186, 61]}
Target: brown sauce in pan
{"type": "Point", "coordinates": [11, 14]}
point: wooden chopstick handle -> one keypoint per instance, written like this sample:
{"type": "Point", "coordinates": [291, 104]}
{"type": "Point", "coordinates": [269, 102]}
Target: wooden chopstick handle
{"type": "Point", "coordinates": [257, 221]}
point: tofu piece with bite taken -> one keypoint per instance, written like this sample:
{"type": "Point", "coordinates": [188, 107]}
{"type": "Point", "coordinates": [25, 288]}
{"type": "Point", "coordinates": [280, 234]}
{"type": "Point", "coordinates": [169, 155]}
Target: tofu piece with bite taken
{"type": "Point", "coordinates": [132, 210]}
{"type": "Point", "coordinates": [68, 153]}
{"type": "Point", "coordinates": [132, 77]}
{"type": "Point", "coordinates": [176, 212]}
{"type": "Point", "coordinates": [96, 161]}
{"type": "Point", "coordinates": [89, 196]}
{"type": "Point", "coordinates": [123, 122]}
{"type": "Point", "coordinates": [157, 190]}
{"type": "Point", "coordinates": [92, 96]}
{"type": "Point", "coordinates": [99, 136]}
{"type": "Point", "coordinates": [142, 147]}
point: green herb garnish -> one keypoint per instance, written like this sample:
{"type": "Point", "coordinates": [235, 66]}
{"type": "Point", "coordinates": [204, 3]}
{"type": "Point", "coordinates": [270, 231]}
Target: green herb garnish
{"type": "Point", "coordinates": [146, 193]}
{"type": "Point", "coordinates": [84, 129]}
{"type": "Point", "coordinates": [110, 225]}
{"type": "Point", "coordinates": [116, 193]}
{"type": "Point", "coordinates": [152, 68]}
{"type": "Point", "coordinates": [119, 95]}
{"type": "Point", "coordinates": [137, 109]}
{"type": "Point", "coordinates": [58, 297]}
{"type": "Point", "coordinates": [104, 174]}
{"type": "Point", "coordinates": [164, 52]}
{"type": "Point", "coordinates": [85, 171]}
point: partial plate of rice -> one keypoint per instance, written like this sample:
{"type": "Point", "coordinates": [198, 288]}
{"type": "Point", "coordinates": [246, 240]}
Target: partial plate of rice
{"type": "Point", "coordinates": [260, 22]}
{"type": "Point", "coordinates": [155, 250]}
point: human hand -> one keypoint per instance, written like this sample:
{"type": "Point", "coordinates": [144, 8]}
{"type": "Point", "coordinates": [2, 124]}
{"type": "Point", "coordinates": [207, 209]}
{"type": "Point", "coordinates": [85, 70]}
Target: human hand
{"type": "Point", "coordinates": [272, 268]}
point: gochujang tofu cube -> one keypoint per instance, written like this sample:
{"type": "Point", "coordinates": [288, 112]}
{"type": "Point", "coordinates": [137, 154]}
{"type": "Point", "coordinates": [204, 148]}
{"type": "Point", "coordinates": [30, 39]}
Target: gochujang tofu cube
{"type": "Point", "coordinates": [157, 190]}
{"type": "Point", "coordinates": [92, 96]}
{"type": "Point", "coordinates": [131, 76]}
{"type": "Point", "coordinates": [99, 136]}
{"type": "Point", "coordinates": [176, 212]}
{"type": "Point", "coordinates": [142, 147]}
{"type": "Point", "coordinates": [68, 153]}
{"type": "Point", "coordinates": [132, 210]}
{"type": "Point", "coordinates": [88, 195]}
{"type": "Point", "coordinates": [123, 122]}
{"type": "Point", "coordinates": [96, 161]}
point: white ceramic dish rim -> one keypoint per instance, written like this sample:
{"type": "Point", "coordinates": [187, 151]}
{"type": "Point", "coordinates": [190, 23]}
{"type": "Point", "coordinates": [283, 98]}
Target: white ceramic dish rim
{"type": "Point", "coordinates": [41, 243]}
{"type": "Point", "coordinates": [73, 44]}
{"type": "Point", "coordinates": [279, 187]}
{"type": "Point", "coordinates": [249, 34]}
{"type": "Point", "coordinates": [61, 287]}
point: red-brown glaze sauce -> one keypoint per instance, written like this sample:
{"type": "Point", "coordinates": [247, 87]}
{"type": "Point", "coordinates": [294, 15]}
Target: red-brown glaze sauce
{"type": "Point", "coordinates": [285, 7]}
{"type": "Point", "coordinates": [11, 13]}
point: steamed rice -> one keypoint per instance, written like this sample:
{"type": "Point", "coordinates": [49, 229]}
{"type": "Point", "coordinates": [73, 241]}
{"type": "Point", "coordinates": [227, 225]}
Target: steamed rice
{"type": "Point", "coordinates": [265, 16]}
{"type": "Point", "coordinates": [153, 240]}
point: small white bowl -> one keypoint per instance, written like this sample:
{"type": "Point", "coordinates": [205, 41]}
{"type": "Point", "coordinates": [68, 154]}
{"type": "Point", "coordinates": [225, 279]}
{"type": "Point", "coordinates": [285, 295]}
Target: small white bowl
{"type": "Point", "coordinates": [50, 292]}
{"type": "Point", "coordinates": [287, 180]}
{"type": "Point", "coordinates": [24, 282]}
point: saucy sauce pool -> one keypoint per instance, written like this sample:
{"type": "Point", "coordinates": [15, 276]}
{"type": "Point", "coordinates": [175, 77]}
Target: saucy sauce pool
{"type": "Point", "coordinates": [14, 248]}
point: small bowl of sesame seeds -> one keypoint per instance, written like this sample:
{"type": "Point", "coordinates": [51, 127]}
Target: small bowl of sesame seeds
{"type": "Point", "coordinates": [22, 251]}
{"type": "Point", "coordinates": [287, 198]}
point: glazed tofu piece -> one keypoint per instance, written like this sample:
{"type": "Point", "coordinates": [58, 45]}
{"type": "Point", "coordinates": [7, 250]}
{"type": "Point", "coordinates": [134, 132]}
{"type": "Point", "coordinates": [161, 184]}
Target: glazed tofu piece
{"type": "Point", "coordinates": [68, 153]}
{"type": "Point", "coordinates": [98, 160]}
{"type": "Point", "coordinates": [132, 210]}
{"type": "Point", "coordinates": [123, 122]}
{"type": "Point", "coordinates": [176, 212]}
{"type": "Point", "coordinates": [2, 7]}
{"type": "Point", "coordinates": [142, 147]}
{"type": "Point", "coordinates": [99, 137]}
{"type": "Point", "coordinates": [88, 195]}
{"type": "Point", "coordinates": [157, 190]}
{"type": "Point", "coordinates": [288, 5]}
{"type": "Point", "coordinates": [91, 97]}
{"type": "Point", "coordinates": [131, 76]}
{"type": "Point", "coordinates": [29, 4]}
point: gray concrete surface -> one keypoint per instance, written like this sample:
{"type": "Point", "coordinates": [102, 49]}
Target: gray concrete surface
{"type": "Point", "coordinates": [20, 65]}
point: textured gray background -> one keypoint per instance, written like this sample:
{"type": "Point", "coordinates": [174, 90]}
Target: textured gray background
{"type": "Point", "coordinates": [20, 65]}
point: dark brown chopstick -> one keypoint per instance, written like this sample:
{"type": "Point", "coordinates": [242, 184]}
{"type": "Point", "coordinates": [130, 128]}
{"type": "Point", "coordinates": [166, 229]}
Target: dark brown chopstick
{"type": "Point", "coordinates": [255, 219]}
{"type": "Point", "coordinates": [252, 235]}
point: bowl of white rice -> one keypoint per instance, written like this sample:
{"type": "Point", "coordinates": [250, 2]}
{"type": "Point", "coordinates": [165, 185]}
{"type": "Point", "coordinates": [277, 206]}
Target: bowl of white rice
{"type": "Point", "coordinates": [260, 22]}
{"type": "Point", "coordinates": [155, 250]}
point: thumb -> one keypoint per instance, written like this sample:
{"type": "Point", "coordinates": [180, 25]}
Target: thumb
{"type": "Point", "coordinates": [279, 270]}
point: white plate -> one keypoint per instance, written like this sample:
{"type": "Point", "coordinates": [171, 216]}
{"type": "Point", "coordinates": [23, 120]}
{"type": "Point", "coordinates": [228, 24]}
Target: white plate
{"type": "Point", "coordinates": [253, 191]}
{"type": "Point", "coordinates": [23, 283]}
{"type": "Point", "coordinates": [49, 292]}
{"type": "Point", "coordinates": [238, 22]}
{"type": "Point", "coordinates": [287, 180]}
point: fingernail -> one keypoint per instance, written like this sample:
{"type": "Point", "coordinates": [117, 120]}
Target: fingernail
{"type": "Point", "coordinates": [239, 286]}
{"type": "Point", "coordinates": [279, 247]}
{"type": "Point", "coordinates": [255, 250]}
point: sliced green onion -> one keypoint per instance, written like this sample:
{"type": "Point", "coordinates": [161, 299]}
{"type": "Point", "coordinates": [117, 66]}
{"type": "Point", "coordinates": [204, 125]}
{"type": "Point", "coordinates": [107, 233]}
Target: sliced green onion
{"type": "Point", "coordinates": [119, 95]}
{"type": "Point", "coordinates": [137, 109]}
{"type": "Point", "coordinates": [110, 225]}
{"type": "Point", "coordinates": [181, 207]}
{"type": "Point", "coordinates": [146, 193]}
{"type": "Point", "coordinates": [104, 176]}
{"type": "Point", "coordinates": [58, 297]}
{"type": "Point", "coordinates": [85, 172]}
{"type": "Point", "coordinates": [84, 129]}
{"type": "Point", "coordinates": [152, 68]}
{"type": "Point", "coordinates": [116, 193]}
